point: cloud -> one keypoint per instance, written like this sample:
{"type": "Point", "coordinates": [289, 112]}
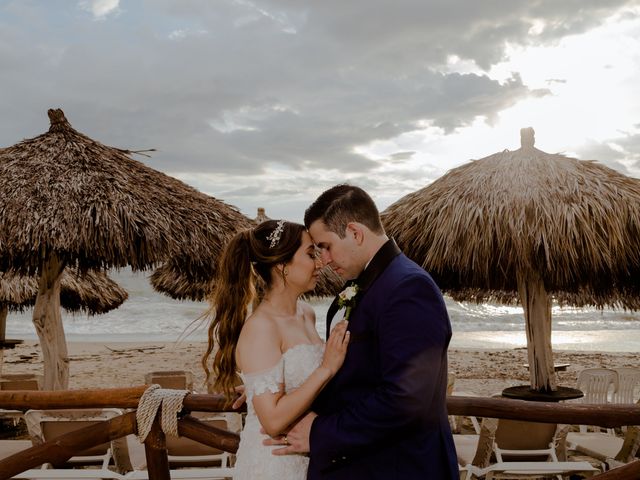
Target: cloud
{"type": "Point", "coordinates": [273, 92]}
{"type": "Point", "coordinates": [100, 9]}
{"type": "Point", "coordinates": [181, 34]}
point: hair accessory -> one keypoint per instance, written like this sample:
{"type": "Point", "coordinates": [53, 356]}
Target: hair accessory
{"type": "Point", "coordinates": [274, 237]}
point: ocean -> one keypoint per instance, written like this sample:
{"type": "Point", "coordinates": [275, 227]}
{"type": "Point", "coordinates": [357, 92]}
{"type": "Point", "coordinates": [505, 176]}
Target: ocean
{"type": "Point", "coordinates": [148, 316]}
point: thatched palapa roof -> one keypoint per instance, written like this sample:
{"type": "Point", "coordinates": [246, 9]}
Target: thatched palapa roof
{"type": "Point", "coordinates": [171, 280]}
{"type": "Point", "coordinates": [574, 223]}
{"type": "Point", "coordinates": [528, 224]}
{"type": "Point", "coordinates": [91, 292]}
{"type": "Point", "coordinates": [95, 207]}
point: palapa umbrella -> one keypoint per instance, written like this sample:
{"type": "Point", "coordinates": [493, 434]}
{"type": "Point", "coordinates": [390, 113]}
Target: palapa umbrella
{"type": "Point", "coordinates": [529, 224]}
{"type": "Point", "coordinates": [172, 280]}
{"type": "Point", "coordinates": [189, 278]}
{"type": "Point", "coordinates": [91, 292]}
{"type": "Point", "coordinates": [66, 199]}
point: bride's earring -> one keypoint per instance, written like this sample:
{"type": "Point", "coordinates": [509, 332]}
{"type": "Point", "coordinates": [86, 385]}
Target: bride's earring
{"type": "Point", "coordinates": [283, 273]}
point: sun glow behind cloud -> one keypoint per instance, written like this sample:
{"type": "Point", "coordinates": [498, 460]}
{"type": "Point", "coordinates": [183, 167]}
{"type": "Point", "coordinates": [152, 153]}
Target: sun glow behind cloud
{"type": "Point", "coordinates": [593, 98]}
{"type": "Point", "coordinates": [591, 77]}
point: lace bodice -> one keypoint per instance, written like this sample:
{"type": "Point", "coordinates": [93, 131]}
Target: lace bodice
{"type": "Point", "coordinates": [255, 460]}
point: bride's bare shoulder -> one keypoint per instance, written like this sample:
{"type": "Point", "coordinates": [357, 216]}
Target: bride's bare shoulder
{"type": "Point", "coordinates": [259, 342]}
{"type": "Point", "coordinates": [258, 324]}
{"type": "Point", "coordinates": [308, 312]}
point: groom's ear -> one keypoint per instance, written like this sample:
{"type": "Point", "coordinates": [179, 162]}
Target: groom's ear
{"type": "Point", "coordinates": [356, 232]}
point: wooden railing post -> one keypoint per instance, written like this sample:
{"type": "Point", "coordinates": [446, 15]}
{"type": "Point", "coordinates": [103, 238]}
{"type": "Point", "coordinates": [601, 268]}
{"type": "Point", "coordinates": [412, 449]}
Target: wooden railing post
{"type": "Point", "coordinates": [155, 449]}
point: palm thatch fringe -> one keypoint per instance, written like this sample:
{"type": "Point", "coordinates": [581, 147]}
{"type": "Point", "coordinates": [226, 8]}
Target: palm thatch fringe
{"type": "Point", "coordinates": [628, 300]}
{"type": "Point", "coordinates": [90, 292]}
{"type": "Point", "coordinates": [174, 282]}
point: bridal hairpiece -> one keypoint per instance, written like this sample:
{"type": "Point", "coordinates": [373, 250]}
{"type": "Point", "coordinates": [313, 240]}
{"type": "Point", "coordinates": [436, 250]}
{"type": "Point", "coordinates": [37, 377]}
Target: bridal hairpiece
{"type": "Point", "coordinates": [274, 237]}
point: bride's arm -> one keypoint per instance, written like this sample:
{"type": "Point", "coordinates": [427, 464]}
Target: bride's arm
{"type": "Point", "coordinates": [261, 346]}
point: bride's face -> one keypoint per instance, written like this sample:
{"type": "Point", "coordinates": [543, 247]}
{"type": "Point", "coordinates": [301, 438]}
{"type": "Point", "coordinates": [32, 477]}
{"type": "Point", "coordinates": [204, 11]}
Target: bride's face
{"type": "Point", "coordinates": [304, 267]}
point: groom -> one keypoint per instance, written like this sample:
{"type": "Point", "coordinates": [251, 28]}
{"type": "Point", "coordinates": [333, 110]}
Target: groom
{"type": "Point", "coordinates": [384, 414]}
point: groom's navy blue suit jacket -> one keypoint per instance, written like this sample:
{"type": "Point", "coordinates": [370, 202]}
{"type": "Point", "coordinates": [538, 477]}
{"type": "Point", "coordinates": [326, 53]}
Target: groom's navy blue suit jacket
{"type": "Point", "coordinates": [384, 413]}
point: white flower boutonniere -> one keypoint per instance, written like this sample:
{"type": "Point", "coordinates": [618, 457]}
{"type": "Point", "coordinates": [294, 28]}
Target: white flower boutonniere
{"type": "Point", "coordinates": [347, 299]}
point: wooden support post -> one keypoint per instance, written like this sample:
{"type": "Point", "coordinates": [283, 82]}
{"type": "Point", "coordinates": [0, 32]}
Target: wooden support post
{"type": "Point", "coordinates": [155, 449]}
{"type": "Point", "coordinates": [4, 311]}
{"type": "Point", "coordinates": [48, 322]}
{"type": "Point", "coordinates": [537, 317]}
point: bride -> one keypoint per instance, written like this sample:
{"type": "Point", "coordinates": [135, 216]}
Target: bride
{"type": "Point", "coordinates": [283, 361]}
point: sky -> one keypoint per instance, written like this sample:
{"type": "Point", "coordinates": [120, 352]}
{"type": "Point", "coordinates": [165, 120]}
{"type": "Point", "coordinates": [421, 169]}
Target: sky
{"type": "Point", "coordinates": [268, 103]}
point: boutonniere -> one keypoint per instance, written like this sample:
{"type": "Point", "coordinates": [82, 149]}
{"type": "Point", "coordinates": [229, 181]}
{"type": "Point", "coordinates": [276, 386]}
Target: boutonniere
{"type": "Point", "coordinates": [347, 299]}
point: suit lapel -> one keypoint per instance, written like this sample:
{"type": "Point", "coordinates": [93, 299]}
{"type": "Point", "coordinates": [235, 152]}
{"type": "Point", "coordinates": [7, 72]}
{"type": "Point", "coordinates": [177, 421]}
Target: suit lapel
{"type": "Point", "coordinates": [377, 265]}
{"type": "Point", "coordinates": [333, 308]}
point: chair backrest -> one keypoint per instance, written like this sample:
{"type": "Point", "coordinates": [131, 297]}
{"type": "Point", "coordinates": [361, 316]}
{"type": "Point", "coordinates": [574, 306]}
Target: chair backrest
{"type": "Point", "coordinates": [19, 376]}
{"type": "Point", "coordinates": [19, 385]}
{"type": "Point", "coordinates": [174, 379]}
{"type": "Point", "coordinates": [596, 384]}
{"type": "Point", "coordinates": [517, 440]}
{"type": "Point", "coordinates": [628, 380]}
{"type": "Point", "coordinates": [21, 381]}
{"type": "Point", "coordinates": [185, 452]}
{"type": "Point", "coordinates": [45, 425]}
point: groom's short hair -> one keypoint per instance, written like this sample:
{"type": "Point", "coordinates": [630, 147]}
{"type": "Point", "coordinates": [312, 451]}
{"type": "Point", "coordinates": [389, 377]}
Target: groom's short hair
{"type": "Point", "coordinates": [342, 204]}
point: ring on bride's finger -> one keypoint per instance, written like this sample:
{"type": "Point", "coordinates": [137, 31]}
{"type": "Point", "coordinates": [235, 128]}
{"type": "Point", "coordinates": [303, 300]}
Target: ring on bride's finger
{"type": "Point", "coordinates": [286, 440]}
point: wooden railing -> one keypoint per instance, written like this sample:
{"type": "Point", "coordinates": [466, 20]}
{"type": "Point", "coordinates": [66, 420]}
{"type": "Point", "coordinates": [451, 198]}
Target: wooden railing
{"type": "Point", "coordinates": [64, 447]}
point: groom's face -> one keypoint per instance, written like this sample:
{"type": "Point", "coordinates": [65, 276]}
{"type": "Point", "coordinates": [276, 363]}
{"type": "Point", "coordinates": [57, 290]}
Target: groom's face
{"type": "Point", "coordinates": [338, 253]}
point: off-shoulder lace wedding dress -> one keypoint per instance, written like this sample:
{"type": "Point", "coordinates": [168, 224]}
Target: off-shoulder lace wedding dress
{"type": "Point", "coordinates": [255, 460]}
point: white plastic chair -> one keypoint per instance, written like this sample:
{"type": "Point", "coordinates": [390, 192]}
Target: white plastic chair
{"type": "Point", "coordinates": [628, 380]}
{"type": "Point", "coordinates": [609, 449]}
{"type": "Point", "coordinates": [522, 449]}
{"type": "Point", "coordinates": [45, 425]}
{"type": "Point", "coordinates": [528, 470]}
{"type": "Point", "coordinates": [598, 385]}
{"type": "Point", "coordinates": [474, 451]}
{"type": "Point", "coordinates": [184, 452]}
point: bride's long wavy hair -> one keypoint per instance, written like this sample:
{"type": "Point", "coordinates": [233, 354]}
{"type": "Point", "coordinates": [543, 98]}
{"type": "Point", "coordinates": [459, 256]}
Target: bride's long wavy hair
{"type": "Point", "coordinates": [245, 269]}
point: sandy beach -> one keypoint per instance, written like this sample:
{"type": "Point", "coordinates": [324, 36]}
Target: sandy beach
{"type": "Point", "coordinates": [122, 364]}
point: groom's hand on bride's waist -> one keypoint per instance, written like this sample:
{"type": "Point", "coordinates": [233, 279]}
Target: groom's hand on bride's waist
{"type": "Point", "coordinates": [296, 440]}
